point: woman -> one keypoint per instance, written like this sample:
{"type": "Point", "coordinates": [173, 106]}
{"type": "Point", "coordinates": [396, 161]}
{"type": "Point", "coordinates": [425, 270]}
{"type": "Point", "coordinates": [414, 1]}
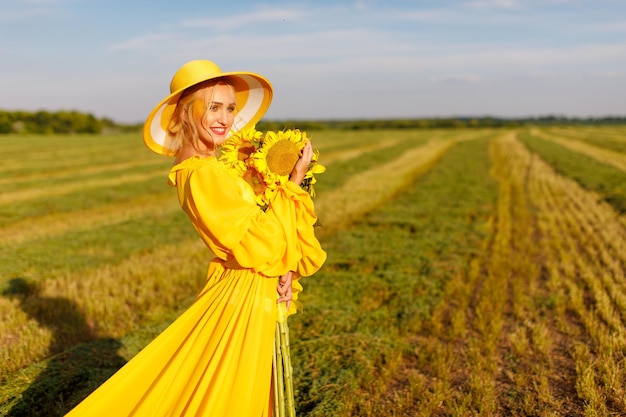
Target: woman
{"type": "Point", "coordinates": [216, 359]}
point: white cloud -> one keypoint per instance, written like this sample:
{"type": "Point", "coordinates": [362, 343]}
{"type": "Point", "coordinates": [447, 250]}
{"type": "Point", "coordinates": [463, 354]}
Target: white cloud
{"type": "Point", "coordinates": [22, 14]}
{"type": "Point", "coordinates": [495, 4]}
{"type": "Point", "coordinates": [608, 74]}
{"type": "Point", "coordinates": [480, 18]}
{"type": "Point", "coordinates": [458, 79]}
{"type": "Point", "coordinates": [20, 10]}
{"type": "Point", "coordinates": [617, 26]}
{"type": "Point", "coordinates": [254, 18]}
{"type": "Point", "coordinates": [39, 2]}
{"type": "Point", "coordinates": [144, 42]}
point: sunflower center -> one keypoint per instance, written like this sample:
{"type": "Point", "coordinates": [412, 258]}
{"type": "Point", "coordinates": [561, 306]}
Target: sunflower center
{"type": "Point", "coordinates": [256, 182]}
{"type": "Point", "coordinates": [282, 157]}
{"type": "Point", "coordinates": [244, 152]}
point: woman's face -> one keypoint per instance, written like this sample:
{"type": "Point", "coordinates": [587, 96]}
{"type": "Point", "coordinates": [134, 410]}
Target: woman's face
{"type": "Point", "coordinates": [213, 113]}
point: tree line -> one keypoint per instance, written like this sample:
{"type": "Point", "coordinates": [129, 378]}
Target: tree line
{"type": "Point", "coordinates": [58, 122]}
{"type": "Point", "coordinates": [438, 123]}
{"type": "Point", "coordinates": [69, 122]}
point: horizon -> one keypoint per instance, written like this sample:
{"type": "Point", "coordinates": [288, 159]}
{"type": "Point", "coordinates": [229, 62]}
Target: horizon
{"type": "Point", "coordinates": [364, 119]}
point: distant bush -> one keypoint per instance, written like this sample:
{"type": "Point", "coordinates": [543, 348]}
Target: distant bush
{"type": "Point", "coordinates": [59, 122]}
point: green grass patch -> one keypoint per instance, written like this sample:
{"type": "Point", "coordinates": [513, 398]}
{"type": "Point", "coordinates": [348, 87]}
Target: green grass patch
{"type": "Point", "coordinates": [608, 137]}
{"type": "Point", "coordinates": [81, 198]}
{"type": "Point", "coordinates": [339, 172]}
{"type": "Point", "coordinates": [592, 175]}
{"type": "Point", "coordinates": [80, 251]}
{"type": "Point", "coordinates": [382, 279]}
{"type": "Point", "coordinates": [48, 154]}
{"type": "Point", "coordinates": [331, 141]}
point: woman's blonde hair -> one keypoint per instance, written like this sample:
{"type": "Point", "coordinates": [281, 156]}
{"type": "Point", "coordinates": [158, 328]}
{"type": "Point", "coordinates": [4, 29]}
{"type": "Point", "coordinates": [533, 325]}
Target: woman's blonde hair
{"type": "Point", "coordinates": [181, 129]}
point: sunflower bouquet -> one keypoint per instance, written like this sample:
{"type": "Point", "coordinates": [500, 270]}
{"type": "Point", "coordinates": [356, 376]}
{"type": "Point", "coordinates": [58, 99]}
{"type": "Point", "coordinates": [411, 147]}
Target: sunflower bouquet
{"type": "Point", "coordinates": [265, 161]}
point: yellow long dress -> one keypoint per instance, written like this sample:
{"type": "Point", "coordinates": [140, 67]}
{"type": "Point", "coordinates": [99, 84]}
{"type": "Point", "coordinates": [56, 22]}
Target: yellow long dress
{"type": "Point", "coordinates": [216, 358]}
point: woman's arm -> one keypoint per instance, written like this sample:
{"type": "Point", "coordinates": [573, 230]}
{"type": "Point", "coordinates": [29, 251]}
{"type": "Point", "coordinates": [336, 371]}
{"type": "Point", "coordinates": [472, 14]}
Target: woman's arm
{"type": "Point", "coordinates": [235, 229]}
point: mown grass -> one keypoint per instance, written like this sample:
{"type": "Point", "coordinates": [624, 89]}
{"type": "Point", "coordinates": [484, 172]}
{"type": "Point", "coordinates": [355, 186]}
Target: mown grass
{"type": "Point", "coordinates": [109, 273]}
{"type": "Point", "coordinates": [608, 181]}
{"type": "Point", "coordinates": [383, 277]}
{"type": "Point", "coordinates": [380, 146]}
{"type": "Point", "coordinates": [340, 171]}
{"type": "Point", "coordinates": [464, 276]}
{"type": "Point", "coordinates": [613, 138]}
{"type": "Point", "coordinates": [583, 266]}
{"type": "Point", "coordinates": [82, 224]}
{"type": "Point", "coordinates": [82, 250]}
{"type": "Point", "coordinates": [535, 323]}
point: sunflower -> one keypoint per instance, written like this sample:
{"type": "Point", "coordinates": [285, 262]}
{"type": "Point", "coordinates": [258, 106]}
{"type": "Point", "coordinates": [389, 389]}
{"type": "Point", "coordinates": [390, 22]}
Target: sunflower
{"type": "Point", "coordinates": [309, 178]}
{"type": "Point", "coordinates": [278, 154]}
{"type": "Point", "coordinates": [262, 190]}
{"type": "Point", "coordinates": [266, 160]}
{"type": "Point", "coordinates": [238, 148]}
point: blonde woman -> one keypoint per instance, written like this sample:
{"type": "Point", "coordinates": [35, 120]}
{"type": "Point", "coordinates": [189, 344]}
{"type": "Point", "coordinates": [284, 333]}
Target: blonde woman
{"type": "Point", "coordinates": [216, 358]}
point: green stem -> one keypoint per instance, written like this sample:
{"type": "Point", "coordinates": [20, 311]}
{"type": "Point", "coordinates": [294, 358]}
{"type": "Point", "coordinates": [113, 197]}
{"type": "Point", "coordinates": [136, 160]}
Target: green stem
{"type": "Point", "coordinates": [280, 383]}
{"type": "Point", "coordinates": [275, 380]}
{"type": "Point", "coordinates": [287, 368]}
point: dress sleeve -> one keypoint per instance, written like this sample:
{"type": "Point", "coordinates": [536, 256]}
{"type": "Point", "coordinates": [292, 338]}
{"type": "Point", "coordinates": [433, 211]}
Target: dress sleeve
{"type": "Point", "coordinates": [293, 203]}
{"type": "Point", "coordinates": [236, 230]}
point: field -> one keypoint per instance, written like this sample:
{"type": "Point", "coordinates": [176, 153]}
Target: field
{"type": "Point", "coordinates": [471, 272]}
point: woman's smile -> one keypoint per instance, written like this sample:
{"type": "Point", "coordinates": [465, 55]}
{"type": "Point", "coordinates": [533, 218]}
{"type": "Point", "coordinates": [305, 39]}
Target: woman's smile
{"type": "Point", "coordinates": [219, 130]}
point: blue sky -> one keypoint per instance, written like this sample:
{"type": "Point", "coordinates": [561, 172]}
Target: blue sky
{"type": "Point", "coordinates": [326, 59]}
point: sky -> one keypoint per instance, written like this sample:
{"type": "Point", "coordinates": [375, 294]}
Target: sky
{"type": "Point", "coordinates": [326, 59]}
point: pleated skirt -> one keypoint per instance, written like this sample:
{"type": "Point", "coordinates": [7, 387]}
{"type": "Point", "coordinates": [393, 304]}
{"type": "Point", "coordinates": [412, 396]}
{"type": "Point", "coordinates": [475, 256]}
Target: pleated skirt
{"type": "Point", "coordinates": [214, 360]}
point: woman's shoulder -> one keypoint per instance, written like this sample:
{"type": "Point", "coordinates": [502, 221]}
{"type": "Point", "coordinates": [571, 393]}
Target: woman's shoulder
{"type": "Point", "coordinates": [191, 165]}
{"type": "Point", "coordinates": [194, 162]}
{"type": "Point", "coordinates": [199, 165]}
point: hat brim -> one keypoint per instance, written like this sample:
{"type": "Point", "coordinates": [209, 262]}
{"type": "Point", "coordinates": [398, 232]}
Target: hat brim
{"type": "Point", "coordinates": [253, 96]}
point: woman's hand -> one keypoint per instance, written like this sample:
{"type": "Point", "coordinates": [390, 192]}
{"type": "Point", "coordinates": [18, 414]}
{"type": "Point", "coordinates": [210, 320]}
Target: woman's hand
{"type": "Point", "coordinates": [302, 166]}
{"type": "Point", "coordinates": [284, 288]}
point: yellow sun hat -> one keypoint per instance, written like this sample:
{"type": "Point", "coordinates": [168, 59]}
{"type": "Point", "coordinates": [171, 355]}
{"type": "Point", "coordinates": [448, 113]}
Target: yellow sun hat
{"type": "Point", "coordinates": [253, 94]}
